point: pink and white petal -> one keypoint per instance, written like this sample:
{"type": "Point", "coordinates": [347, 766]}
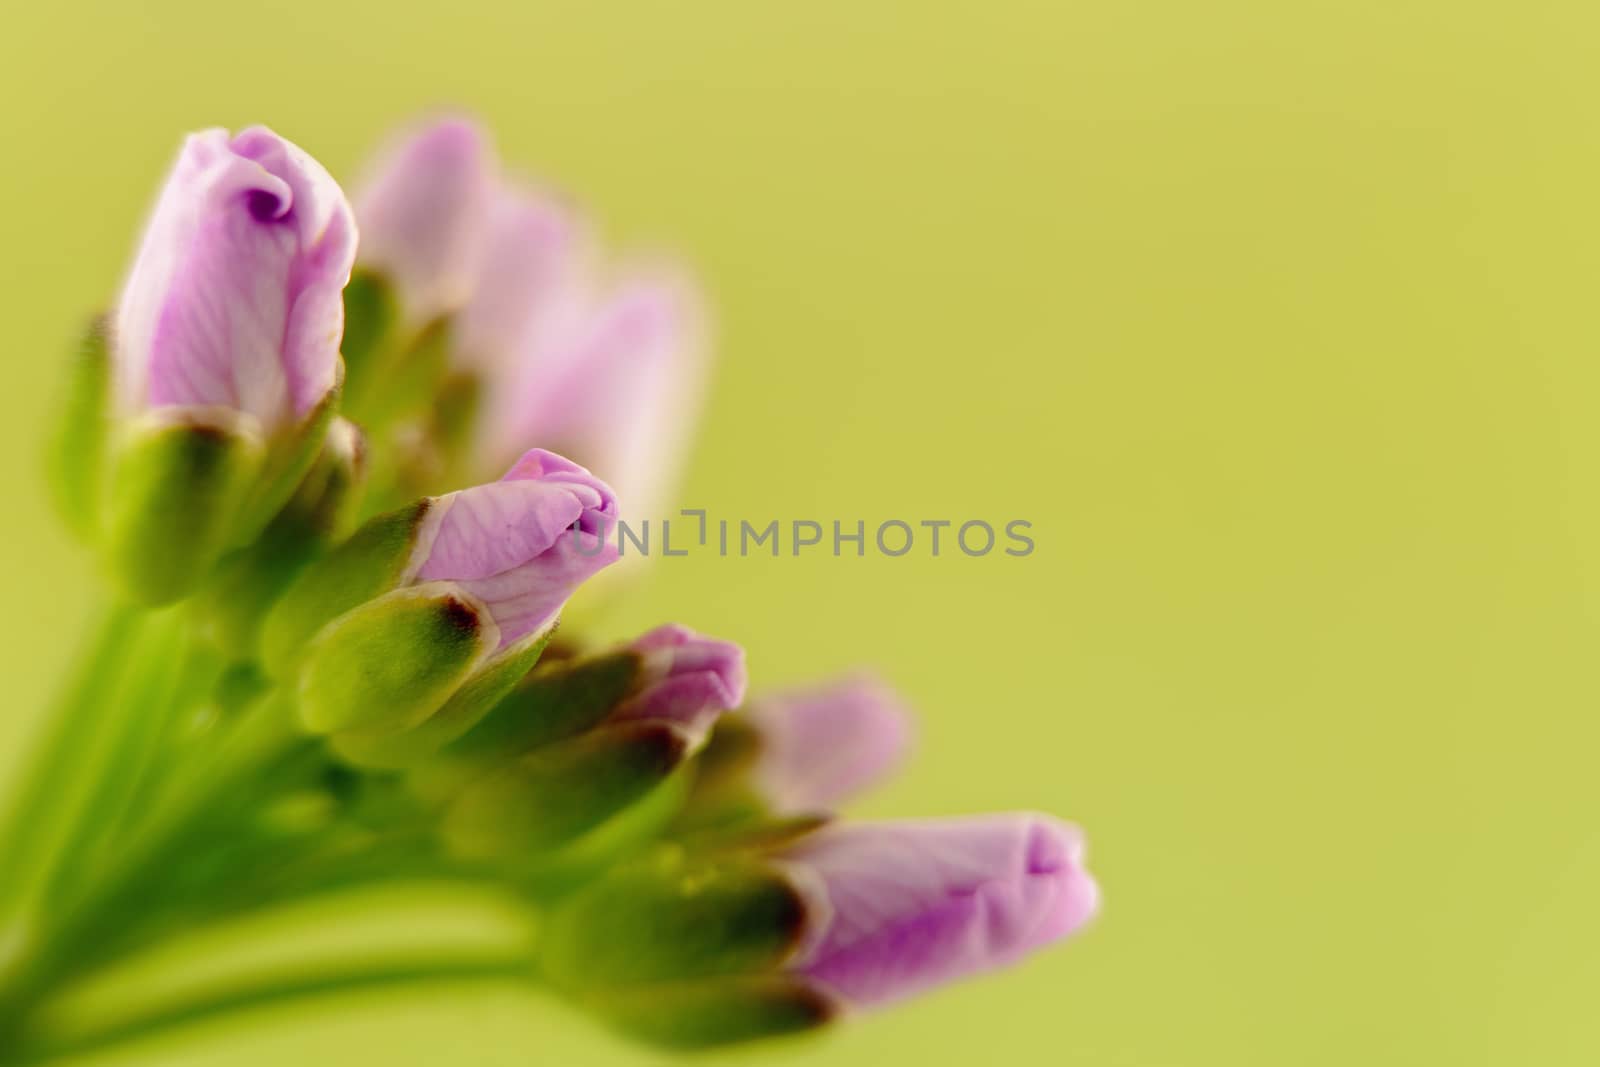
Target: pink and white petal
{"type": "Point", "coordinates": [219, 332]}
{"type": "Point", "coordinates": [681, 698]}
{"type": "Point", "coordinates": [491, 529]}
{"type": "Point", "coordinates": [916, 904]}
{"type": "Point", "coordinates": [528, 597]}
{"type": "Point", "coordinates": [530, 264]}
{"type": "Point", "coordinates": [424, 213]}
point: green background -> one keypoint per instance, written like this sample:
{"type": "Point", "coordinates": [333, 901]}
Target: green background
{"type": "Point", "coordinates": [1276, 320]}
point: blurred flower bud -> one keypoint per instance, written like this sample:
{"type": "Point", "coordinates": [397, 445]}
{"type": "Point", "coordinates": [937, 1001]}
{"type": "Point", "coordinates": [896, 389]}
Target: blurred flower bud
{"type": "Point", "coordinates": [393, 661]}
{"type": "Point", "coordinates": [424, 212]}
{"type": "Point", "coordinates": [525, 288]}
{"type": "Point", "coordinates": [616, 381]}
{"type": "Point", "coordinates": [226, 331]}
{"type": "Point", "coordinates": [527, 283]}
{"type": "Point", "coordinates": [820, 746]}
{"type": "Point", "coordinates": [792, 756]}
{"type": "Point", "coordinates": [905, 906]}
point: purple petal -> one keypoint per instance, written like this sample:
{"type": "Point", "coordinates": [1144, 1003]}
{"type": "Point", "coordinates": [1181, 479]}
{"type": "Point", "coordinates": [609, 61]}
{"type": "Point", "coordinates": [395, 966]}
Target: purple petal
{"type": "Point", "coordinates": [528, 598]}
{"type": "Point", "coordinates": [619, 387]}
{"type": "Point", "coordinates": [523, 544]}
{"type": "Point", "coordinates": [916, 904]}
{"type": "Point", "coordinates": [424, 215]}
{"type": "Point", "coordinates": [234, 298]}
{"type": "Point", "coordinates": [527, 282]}
{"type": "Point", "coordinates": [822, 745]}
{"type": "Point", "coordinates": [687, 678]}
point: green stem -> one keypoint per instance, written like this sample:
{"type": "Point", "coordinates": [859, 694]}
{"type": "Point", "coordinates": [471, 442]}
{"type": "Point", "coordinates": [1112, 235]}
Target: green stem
{"type": "Point", "coordinates": [170, 732]}
{"type": "Point", "coordinates": [255, 876]}
{"type": "Point", "coordinates": [131, 733]}
{"type": "Point", "coordinates": [45, 807]}
{"type": "Point", "coordinates": [227, 1000]}
{"type": "Point", "coordinates": [90, 923]}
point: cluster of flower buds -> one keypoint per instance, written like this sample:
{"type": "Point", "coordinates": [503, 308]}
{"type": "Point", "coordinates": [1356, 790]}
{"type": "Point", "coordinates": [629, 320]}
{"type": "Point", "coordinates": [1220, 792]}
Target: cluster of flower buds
{"type": "Point", "coordinates": [679, 842]}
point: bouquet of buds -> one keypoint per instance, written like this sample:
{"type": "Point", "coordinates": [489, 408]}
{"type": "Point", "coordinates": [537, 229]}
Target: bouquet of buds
{"type": "Point", "coordinates": [326, 667]}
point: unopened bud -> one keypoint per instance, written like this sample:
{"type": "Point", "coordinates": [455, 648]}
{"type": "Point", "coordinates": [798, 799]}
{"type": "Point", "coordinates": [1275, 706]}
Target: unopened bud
{"type": "Point", "coordinates": [906, 906]}
{"type": "Point", "coordinates": [394, 661]}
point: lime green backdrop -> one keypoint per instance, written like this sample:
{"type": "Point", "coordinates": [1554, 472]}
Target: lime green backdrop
{"type": "Point", "coordinates": [1276, 319]}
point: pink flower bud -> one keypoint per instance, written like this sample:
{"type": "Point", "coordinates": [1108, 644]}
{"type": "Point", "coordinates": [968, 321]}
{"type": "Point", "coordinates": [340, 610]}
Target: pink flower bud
{"type": "Point", "coordinates": [898, 907]}
{"type": "Point", "coordinates": [685, 678]}
{"type": "Point", "coordinates": [521, 545]}
{"type": "Point", "coordinates": [233, 303]}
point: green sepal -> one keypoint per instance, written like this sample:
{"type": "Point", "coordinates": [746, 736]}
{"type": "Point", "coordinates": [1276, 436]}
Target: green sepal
{"type": "Point", "coordinates": [178, 476]}
{"type": "Point", "coordinates": [290, 453]}
{"type": "Point", "coordinates": [459, 714]}
{"type": "Point", "coordinates": [250, 580]}
{"type": "Point", "coordinates": [367, 565]}
{"type": "Point", "coordinates": [75, 456]}
{"type": "Point", "coordinates": [556, 794]}
{"type": "Point", "coordinates": [392, 662]}
{"type": "Point", "coordinates": [550, 704]}
{"type": "Point", "coordinates": [671, 919]}
{"type": "Point", "coordinates": [710, 1014]}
